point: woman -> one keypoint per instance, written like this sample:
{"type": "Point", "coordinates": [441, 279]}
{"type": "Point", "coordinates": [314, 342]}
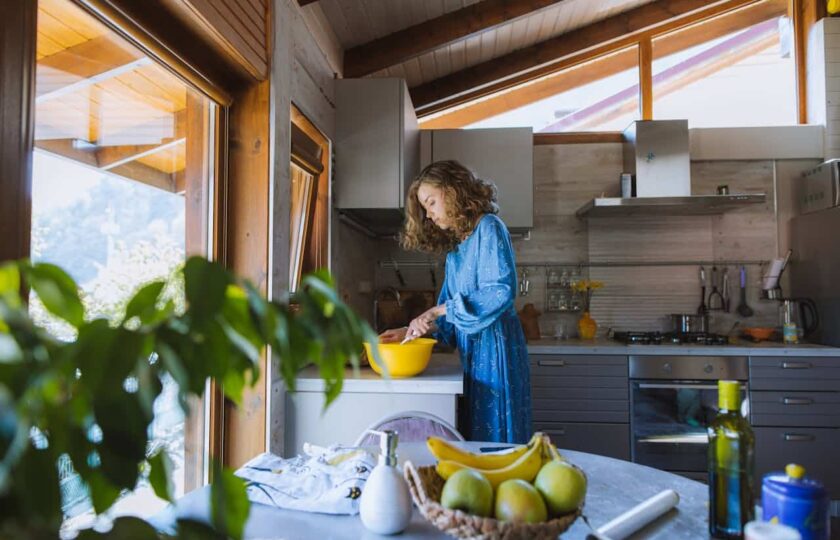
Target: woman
{"type": "Point", "coordinates": [449, 210]}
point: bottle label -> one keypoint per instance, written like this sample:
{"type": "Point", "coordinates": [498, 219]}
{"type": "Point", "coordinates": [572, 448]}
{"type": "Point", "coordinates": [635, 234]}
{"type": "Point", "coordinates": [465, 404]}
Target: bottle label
{"type": "Point", "coordinates": [790, 333]}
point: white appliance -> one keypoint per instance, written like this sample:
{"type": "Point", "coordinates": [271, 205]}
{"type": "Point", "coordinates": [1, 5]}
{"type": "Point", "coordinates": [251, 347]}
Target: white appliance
{"type": "Point", "coordinates": [819, 187]}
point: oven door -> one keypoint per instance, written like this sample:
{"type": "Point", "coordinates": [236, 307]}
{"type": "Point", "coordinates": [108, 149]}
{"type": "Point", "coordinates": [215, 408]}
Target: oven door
{"type": "Point", "coordinates": [668, 422]}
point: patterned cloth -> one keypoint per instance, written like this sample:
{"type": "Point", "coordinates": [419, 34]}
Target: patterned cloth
{"type": "Point", "coordinates": [479, 291]}
{"type": "Point", "coordinates": [329, 481]}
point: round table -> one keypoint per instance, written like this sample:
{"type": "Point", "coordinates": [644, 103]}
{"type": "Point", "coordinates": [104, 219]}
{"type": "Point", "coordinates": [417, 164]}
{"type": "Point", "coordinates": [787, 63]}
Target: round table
{"type": "Point", "coordinates": [614, 487]}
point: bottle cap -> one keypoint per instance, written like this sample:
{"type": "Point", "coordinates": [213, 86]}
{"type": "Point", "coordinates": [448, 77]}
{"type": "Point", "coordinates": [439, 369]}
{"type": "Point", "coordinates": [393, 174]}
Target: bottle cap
{"type": "Point", "coordinates": [729, 395]}
{"type": "Point", "coordinates": [388, 440]}
{"type": "Point", "coordinates": [795, 471]}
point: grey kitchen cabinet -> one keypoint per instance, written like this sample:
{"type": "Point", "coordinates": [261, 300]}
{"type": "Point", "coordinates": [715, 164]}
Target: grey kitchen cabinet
{"type": "Point", "coordinates": [376, 144]}
{"type": "Point", "coordinates": [582, 402]}
{"type": "Point", "coordinates": [795, 413]}
{"type": "Point", "coordinates": [504, 156]}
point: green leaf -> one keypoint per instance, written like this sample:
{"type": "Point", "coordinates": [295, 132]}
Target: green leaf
{"type": "Point", "coordinates": [160, 475]}
{"type": "Point", "coordinates": [189, 529]}
{"type": "Point", "coordinates": [10, 284]}
{"type": "Point", "coordinates": [102, 492]}
{"type": "Point", "coordinates": [35, 488]}
{"type": "Point", "coordinates": [125, 528]}
{"type": "Point", "coordinates": [229, 503]}
{"type": "Point", "coordinates": [57, 291]}
{"type": "Point", "coordinates": [144, 303]}
{"type": "Point", "coordinates": [124, 426]}
{"type": "Point", "coordinates": [232, 384]}
{"type": "Point", "coordinates": [205, 285]}
{"type": "Point", "coordinates": [10, 351]}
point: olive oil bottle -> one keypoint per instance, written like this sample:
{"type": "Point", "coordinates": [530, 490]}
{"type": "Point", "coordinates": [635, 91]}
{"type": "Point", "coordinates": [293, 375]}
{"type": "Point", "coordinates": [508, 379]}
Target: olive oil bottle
{"type": "Point", "coordinates": [731, 450]}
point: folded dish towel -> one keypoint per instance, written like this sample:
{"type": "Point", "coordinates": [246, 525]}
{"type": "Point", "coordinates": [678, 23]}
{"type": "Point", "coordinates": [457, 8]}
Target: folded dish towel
{"type": "Point", "coordinates": [327, 480]}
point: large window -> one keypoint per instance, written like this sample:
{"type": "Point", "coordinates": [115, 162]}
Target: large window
{"type": "Point", "coordinates": [121, 195]}
{"type": "Point", "coordinates": [735, 69]}
{"type": "Point", "coordinates": [724, 73]}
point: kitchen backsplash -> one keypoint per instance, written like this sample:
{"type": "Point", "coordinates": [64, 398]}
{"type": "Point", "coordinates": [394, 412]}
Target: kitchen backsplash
{"type": "Point", "coordinates": [634, 297]}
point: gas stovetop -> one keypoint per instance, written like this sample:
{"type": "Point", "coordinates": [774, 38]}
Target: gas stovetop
{"type": "Point", "coordinates": [670, 338]}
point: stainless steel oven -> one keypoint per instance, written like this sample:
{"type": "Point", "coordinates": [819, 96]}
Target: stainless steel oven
{"type": "Point", "coordinates": [672, 400]}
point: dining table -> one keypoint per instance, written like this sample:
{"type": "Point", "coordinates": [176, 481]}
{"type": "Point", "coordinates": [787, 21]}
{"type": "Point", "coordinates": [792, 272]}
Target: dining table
{"type": "Point", "coordinates": [614, 486]}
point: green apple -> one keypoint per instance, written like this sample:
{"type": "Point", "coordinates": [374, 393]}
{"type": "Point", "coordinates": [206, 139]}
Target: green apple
{"type": "Point", "coordinates": [468, 490]}
{"type": "Point", "coordinates": [517, 500]}
{"type": "Point", "coordinates": [562, 486]}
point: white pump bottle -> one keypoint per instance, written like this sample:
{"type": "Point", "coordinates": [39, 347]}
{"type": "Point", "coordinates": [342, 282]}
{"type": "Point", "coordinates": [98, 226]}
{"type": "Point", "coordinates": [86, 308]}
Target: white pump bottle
{"type": "Point", "coordinates": [385, 504]}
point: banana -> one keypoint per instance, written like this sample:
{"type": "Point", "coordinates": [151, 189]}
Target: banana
{"type": "Point", "coordinates": [444, 450]}
{"type": "Point", "coordinates": [525, 467]}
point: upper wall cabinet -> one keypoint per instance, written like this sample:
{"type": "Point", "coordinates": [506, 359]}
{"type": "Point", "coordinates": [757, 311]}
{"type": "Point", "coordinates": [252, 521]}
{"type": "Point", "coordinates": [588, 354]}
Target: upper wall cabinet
{"type": "Point", "coordinates": [503, 155]}
{"type": "Point", "coordinates": [376, 144]}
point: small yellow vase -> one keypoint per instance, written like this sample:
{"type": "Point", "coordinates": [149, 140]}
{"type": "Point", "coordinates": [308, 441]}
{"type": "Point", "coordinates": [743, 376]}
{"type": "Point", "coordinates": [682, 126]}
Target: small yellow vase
{"type": "Point", "coordinates": [587, 326]}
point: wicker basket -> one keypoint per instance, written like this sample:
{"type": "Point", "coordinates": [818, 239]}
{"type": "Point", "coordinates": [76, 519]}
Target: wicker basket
{"type": "Point", "coordinates": [425, 486]}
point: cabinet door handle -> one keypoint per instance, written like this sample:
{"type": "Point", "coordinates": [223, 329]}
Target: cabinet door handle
{"type": "Point", "coordinates": [559, 431]}
{"type": "Point", "coordinates": [551, 363]}
{"type": "Point", "coordinates": [799, 437]}
{"type": "Point", "coordinates": [796, 365]}
{"type": "Point", "coordinates": [797, 401]}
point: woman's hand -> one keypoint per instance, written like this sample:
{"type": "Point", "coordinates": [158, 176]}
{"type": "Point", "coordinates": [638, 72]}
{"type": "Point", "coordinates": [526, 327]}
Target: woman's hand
{"type": "Point", "coordinates": [425, 323]}
{"type": "Point", "coordinates": [394, 335]}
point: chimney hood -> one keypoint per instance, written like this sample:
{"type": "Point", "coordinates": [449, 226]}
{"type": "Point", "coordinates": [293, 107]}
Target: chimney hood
{"type": "Point", "coordinates": [656, 153]}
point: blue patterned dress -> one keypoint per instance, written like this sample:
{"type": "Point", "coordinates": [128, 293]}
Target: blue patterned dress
{"type": "Point", "coordinates": [479, 291]}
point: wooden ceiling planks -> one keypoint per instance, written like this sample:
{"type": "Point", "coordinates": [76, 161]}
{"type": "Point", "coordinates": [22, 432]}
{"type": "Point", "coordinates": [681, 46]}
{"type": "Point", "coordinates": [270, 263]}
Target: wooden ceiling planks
{"type": "Point", "coordinates": [452, 27]}
{"type": "Point", "coordinates": [541, 59]}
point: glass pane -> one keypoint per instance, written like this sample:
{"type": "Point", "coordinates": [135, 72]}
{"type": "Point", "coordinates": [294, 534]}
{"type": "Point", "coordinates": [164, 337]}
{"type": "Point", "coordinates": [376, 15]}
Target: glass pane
{"type": "Point", "coordinates": [736, 70]}
{"type": "Point", "coordinates": [599, 95]}
{"type": "Point", "coordinates": [302, 183]}
{"type": "Point", "coordinates": [121, 191]}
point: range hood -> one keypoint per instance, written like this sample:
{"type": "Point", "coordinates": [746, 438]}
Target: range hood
{"type": "Point", "coordinates": [656, 153]}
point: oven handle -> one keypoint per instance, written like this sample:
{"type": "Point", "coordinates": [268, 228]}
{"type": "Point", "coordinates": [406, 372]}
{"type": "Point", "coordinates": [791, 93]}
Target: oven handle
{"type": "Point", "coordinates": [699, 438]}
{"type": "Point", "coordinates": [645, 386]}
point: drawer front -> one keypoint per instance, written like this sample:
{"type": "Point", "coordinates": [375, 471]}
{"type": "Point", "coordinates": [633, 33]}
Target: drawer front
{"type": "Point", "coordinates": [805, 409]}
{"type": "Point", "coordinates": [813, 448]}
{"type": "Point", "coordinates": [578, 371]}
{"type": "Point", "coordinates": [612, 440]}
{"type": "Point", "coordinates": [795, 373]}
{"type": "Point", "coordinates": [582, 404]}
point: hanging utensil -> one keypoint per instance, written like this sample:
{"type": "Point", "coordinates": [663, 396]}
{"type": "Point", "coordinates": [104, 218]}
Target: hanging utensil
{"type": "Point", "coordinates": [715, 298]}
{"type": "Point", "coordinates": [400, 277]}
{"type": "Point", "coordinates": [725, 291]}
{"type": "Point", "coordinates": [702, 310]}
{"type": "Point", "coordinates": [743, 309]}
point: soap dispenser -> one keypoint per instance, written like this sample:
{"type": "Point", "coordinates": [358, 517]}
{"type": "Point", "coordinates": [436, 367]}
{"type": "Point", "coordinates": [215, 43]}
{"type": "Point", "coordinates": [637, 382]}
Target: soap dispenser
{"type": "Point", "coordinates": [385, 504]}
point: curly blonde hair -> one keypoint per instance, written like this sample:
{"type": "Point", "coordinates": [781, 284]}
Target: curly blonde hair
{"type": "Point", "coordinates": [466, 198]}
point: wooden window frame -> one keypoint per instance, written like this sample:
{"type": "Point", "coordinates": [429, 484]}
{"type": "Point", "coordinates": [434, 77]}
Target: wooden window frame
{"type": "Point", "coordinates": [240, 194]}
{"type": "Point", "coordinates": [804, 14]}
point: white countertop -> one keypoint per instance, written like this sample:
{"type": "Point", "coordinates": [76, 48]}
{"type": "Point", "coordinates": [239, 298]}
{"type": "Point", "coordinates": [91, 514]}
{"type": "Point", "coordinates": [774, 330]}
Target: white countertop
{"type": "Point", "coordinates": [444, 375]}
{"type": "Point", "coordinates": [603, 346]}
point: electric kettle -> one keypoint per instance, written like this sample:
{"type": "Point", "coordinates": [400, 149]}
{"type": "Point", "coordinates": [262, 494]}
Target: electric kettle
{"type": "Point", "coordinates": [802, 312]}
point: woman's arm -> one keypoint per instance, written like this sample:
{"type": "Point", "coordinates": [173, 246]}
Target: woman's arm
{"type": "Point", "coordinates": [474, 311]}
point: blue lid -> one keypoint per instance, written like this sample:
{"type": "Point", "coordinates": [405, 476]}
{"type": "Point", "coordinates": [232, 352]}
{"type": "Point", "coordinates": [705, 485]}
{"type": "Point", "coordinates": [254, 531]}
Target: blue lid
{"type": "Point", "coordinates": [793, 483]}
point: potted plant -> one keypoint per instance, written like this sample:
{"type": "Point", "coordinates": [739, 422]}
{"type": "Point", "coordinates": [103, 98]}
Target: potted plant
{"type": "Point", "coordinates": [89, 399]}
{"type": "Point", "coordinates": [587, 326]}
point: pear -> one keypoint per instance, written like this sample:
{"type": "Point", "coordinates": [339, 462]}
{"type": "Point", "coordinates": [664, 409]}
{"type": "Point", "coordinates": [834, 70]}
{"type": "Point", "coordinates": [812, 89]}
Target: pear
{"type": "Point", "coordinates": [517, 500]}
{"type": "Point", "coordinates": [562, 485]}
{"type": "Point", "coordinates": [468, 490]}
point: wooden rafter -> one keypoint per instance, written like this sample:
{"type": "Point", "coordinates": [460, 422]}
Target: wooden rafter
{"type": "Point", "coordinates": [84, 65]}
{"type": "Point", "coordinates": [429, 35]}
{"type": "Point", "coordinates": [547, 57]}
{"type": "Point", "coordinates": [84, 153]}
{"type": "Point", "coordinates": [582, 69]}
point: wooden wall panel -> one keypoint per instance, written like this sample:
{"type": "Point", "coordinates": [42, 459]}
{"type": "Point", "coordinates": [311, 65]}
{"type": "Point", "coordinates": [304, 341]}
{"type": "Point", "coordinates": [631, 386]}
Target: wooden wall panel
{"type": "Point", "coordinates": [17, 105]}
{"type": "Point", "coordinates": [247, 250]}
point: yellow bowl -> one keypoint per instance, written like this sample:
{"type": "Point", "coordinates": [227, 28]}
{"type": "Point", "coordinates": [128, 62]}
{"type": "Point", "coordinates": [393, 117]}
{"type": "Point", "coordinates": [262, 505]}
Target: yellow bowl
{"type": "Point", "coordinates": [403, 360]}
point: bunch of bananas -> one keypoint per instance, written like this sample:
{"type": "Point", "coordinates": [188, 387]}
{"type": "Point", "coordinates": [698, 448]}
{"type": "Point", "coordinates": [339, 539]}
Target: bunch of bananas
{"type": "Point", "coordinates": [522, 462]}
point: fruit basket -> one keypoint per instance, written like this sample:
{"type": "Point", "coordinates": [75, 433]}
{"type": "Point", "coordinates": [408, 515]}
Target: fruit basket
{"type": "Point", "coordinates": [426, 485]}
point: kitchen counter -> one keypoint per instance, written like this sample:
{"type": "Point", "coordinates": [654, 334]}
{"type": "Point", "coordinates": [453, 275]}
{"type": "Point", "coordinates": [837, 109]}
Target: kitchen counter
{"type": "Point", "coordinates": [603, 346]}
{"type": "Point", "coordinates": [444, 375]}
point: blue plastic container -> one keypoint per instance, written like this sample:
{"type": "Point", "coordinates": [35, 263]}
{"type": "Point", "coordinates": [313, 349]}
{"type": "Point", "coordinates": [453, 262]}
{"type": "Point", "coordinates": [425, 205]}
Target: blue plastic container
{"type": "Point", "coordinates": [792, 499]}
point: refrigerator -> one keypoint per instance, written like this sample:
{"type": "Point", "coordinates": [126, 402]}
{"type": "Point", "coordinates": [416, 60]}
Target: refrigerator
{"type": "Point", "coordinates": [815, 268]}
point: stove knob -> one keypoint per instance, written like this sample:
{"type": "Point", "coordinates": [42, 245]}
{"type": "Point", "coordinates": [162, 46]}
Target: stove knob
{"type": "Point", "coordinates": [708, 368]}
{"type": "Point", "coordinates": [666, 368]}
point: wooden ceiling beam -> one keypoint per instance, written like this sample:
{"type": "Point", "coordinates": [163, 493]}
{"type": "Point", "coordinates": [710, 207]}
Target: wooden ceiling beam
{"type": "Point", "coordinates": [85, 65]}
{"type": "Point", "coordinates": [110, 157]}
{"type": "Point", "coordinates": [84, 153]}
{"type": "Point", "coordinates": [593, 70]}
{"type": "Point", "coordinates": [435, 33]}
{"type": "Point", "coordinates": [542, 59]}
